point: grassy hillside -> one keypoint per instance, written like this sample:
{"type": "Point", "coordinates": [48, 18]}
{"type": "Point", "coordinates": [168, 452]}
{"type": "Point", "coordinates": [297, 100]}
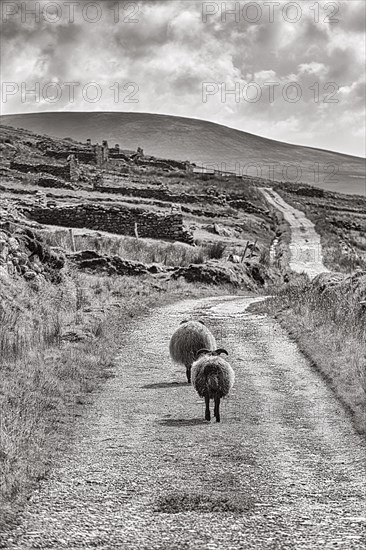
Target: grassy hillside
{"type": "Point", "coordinates": [203, 142]}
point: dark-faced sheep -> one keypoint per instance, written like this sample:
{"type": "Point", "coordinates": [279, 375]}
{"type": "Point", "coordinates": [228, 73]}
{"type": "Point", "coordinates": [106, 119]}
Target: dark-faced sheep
{"type": "Point", "coordinates": [212, 378]}
{"type": "Point", "coordinates": [187, 340]}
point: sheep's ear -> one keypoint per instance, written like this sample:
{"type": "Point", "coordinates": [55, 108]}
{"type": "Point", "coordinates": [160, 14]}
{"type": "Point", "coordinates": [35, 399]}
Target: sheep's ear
{"type": "Point", "coordinates": [221, 350]}
{"type": "Point", "coordinates": [202, 323]}
{"type": "Point", "coordinates": [182, 322]}
{"type": "Point", "coordinates": [201, 352]}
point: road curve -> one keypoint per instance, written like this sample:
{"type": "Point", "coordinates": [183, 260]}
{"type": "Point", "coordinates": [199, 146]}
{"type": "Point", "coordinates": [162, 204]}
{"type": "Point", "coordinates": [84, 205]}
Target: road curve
{"type": "Point", "coordinates": [305, 247]}
{"type": "Point", "coordinates": [283, 470]}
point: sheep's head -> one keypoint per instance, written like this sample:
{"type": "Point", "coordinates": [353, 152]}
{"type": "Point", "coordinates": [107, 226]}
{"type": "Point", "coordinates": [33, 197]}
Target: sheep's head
{"type": "Point", "coordinates": [211, 352]}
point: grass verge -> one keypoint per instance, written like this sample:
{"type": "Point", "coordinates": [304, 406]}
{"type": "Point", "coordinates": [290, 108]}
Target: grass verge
{"type": "Point", "coordinates": [330, 329]}
{"type": "Point", "coordinates": [57, 345]}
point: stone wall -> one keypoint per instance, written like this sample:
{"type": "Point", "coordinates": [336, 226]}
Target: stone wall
{"type": "Point", "coordinates": [162, 163]}
{"type": "Point", "coordinates": [114, 219]}
{"type": "Point", "coordinates": [58, 170]}
{"type": "Point", "coordinates": [159, 193]}
{"type": "Point", "coordinates": [82, 155]}
{"type": "Point", "coordinates": [165, 195]}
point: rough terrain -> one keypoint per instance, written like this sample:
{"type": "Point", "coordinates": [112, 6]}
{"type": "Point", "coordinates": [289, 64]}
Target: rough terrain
{"type": "Point", "coordinates": [305, 247]}
{"type": "Point", "coordinates": [284, 469]}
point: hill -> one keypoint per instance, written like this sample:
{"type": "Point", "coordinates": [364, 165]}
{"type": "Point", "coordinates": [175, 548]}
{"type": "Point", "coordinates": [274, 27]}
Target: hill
{"type": "Point", "coordinates": [204, 143]}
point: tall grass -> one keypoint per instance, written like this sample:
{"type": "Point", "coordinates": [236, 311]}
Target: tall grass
{"type": "Point", "coordinates": [57, 345]}
{"type": "Point", "coordinates": [142, 250]}
{"type": "Point", "coordinates": [330, 327]}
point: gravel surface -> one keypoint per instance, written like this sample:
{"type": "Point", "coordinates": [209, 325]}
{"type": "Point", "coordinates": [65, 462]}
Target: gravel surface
{"type": "Point", "coordinates": [284, 469]}
{"type": "Point", "coordinates": [305, 246]}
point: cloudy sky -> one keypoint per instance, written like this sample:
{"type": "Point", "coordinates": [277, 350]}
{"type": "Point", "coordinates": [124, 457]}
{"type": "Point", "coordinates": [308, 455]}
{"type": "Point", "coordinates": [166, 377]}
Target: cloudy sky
{"type": "Point", "coordinates": [291, 71]}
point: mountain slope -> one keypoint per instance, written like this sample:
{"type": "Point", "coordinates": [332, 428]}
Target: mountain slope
{"type": "Point", "coordinates": [204, 143]}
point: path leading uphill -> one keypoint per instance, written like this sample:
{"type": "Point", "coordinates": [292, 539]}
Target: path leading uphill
{"type": "Point", "coordinates": [305, 247]}
{"type": "Point", "coordinates": [283, 470]}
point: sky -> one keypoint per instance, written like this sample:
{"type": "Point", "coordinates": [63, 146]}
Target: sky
{"type": "Point", "coordinates": [290, 71]}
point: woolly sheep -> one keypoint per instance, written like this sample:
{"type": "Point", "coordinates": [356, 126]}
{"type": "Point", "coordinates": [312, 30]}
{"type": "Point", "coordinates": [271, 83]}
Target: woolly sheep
{"type": "Point", "coordinates": [212, 378]}
{"type": "Point", "coordinates": [190, 337]}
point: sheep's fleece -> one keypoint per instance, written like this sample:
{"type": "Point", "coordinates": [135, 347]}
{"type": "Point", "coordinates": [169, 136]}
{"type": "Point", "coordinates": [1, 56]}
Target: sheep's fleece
{"type": "Point", "coordinates": [212, 374]}
{"type": "Point", "coordinates": [188, 339]}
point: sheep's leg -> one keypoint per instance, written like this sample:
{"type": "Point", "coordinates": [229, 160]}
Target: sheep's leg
{"type": "Point", "coordinates": [217, 408]}
{"type": "Point", "coordinates": [207, 401]}
{"type": "Point", "coordinates": [188, 372]}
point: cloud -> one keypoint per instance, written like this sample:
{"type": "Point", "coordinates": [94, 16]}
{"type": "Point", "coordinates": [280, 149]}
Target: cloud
{"type": "Point", "coordinates": [170, 51]}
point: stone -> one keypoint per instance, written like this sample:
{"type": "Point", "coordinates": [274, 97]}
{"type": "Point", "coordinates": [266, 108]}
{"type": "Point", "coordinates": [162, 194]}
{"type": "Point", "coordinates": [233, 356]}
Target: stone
{"type": "Point", "coordinates": [22, 258]}
{"type": "Point", "coordinates": [29, 275]}
{"type": "Point", "coordinates": [4, 249]}
{"type": "Point", "coordinates": [13, 244]}
{"type": "Point", "coordinates": [4, 272]}
{"type": "Point", "coordinates": [92, 261]}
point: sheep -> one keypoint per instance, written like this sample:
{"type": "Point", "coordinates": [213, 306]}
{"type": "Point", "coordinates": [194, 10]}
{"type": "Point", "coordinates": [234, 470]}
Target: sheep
{"type": "Point", "coordinates": [190, 337]}
{"type": "Point", "coordinates": [212, 378]}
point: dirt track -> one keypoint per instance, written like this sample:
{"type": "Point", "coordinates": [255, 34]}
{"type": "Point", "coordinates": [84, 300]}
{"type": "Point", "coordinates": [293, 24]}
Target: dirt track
{"type": "Point", "coordinates": [305, 247]}
{"type": "Point", "coordinates": [284, 469]}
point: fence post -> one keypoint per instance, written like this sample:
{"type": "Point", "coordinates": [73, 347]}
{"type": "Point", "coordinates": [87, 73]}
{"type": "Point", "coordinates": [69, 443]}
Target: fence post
{"type": "Point", "coordinates": [72, 238]}
{"type": "Point", "coordinates": [245, 251]}
{"type": "Point", "coordinates": [253, 247]}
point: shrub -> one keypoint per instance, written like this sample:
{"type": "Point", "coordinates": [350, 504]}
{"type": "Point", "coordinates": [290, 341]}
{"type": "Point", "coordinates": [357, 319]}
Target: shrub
{"type": "Point", "coordinates": [216, 251]}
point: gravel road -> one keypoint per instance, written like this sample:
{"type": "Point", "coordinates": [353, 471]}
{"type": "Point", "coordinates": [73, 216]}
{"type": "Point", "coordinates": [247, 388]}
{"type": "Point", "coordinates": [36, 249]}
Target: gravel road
{"type": "Point", "coordinates": [305, 246]}
{"type": "Point", "coordinates": [284, 469]}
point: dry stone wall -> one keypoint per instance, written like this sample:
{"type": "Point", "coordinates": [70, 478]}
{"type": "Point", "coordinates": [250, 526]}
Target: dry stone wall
{"type": "Point", "coordinates": [58, 170]}
{"type": "Point", "coordinates": [166, 195]}
{"type": "Point", "coordinates": [114, 219]}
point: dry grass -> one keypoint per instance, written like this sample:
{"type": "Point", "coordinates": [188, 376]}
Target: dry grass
{"type": "Point", "coordinates": [331, 330]}
{"type": "Point", "coordinates": [57, 346]}
{"type": "Point", "coordinates": [141, 250]}
{"type": "Point", "coordinates": [338, 256]}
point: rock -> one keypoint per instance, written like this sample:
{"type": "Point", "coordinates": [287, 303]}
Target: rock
{"type": "Point", "coordinates": [234, 258]}
{"type": "Point", "coordinates": [156, 268]}
{"type": "Point", "coordinates": [92, 261]}
{"type": "Point", "coordinates": [219, 229]}
{"type": "Point", "coordinates": [29, 275]}
{"type": "Point", "coordinates": [4, 274]}
{"type": "Point", "coordinates": [22, 258]}
{"type": "Point", "coordinates": [13, 244]}
{"type": "Point", "coordinates": [76, 335]}
{"type": "Point", "coordinates": [4, 249]}
{"type": "Point", "coordinates": [215, 272]}
{"type": "Point", "coordinates": [11, 268]}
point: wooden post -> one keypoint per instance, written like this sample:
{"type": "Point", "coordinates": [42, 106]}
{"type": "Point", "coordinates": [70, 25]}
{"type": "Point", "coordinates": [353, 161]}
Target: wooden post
{"type": "Point", "coordinates": [72, 238]}
{"type": "Point", "coordinates": [245, 251]}
{"type": "Point", "coordinates": [136, 231]}
{"type": "Point", "coordinates": [252, 250]}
